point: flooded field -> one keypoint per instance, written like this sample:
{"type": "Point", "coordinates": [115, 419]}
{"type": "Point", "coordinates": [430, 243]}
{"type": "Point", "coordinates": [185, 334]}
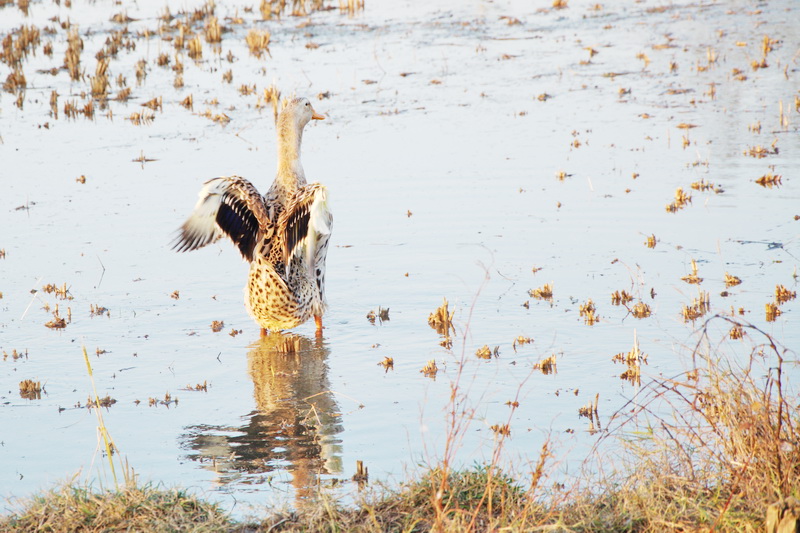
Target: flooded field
{"type": "Point", "coordinates": [588, 187]}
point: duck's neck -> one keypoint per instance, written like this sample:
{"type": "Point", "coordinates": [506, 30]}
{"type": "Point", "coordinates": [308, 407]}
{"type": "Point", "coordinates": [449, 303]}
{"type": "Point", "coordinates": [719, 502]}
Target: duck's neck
{"type": "Point", "coordinates": [290, 172]}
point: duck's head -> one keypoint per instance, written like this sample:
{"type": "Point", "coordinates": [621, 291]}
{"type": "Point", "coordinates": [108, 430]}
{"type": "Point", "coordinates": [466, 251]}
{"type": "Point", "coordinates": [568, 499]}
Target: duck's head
{"type": "Point", "coordinates": [299, 112]}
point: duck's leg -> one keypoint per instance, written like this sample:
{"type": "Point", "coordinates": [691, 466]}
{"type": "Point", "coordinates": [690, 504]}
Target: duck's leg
{"type": "Point", "coordinates": [318, 322]}
{"type": "Point", "coordinates": [263, 332]}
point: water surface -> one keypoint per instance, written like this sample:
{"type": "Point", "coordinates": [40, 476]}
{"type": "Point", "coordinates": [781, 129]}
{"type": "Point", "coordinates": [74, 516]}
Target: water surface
{"type": "Point", "coordinates": [447, 126]}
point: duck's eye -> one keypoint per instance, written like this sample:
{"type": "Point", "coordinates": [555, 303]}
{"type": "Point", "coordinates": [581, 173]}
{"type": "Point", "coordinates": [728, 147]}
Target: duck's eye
{"type": "Point", "coordinates": [306, 104]}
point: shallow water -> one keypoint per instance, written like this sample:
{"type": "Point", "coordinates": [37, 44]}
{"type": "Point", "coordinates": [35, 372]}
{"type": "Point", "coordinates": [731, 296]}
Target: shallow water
{"type": "Point", "coordinates": [442, 168]}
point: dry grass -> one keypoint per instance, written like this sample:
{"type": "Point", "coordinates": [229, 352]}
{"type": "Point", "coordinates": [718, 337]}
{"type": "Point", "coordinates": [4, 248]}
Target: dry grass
{"type": "Point", "coordinates": [258, 42]}
{"type": "Point", "coordinates": [72, 508]}
{"type": "Point", "coordinates": [100, 82]}
{"type": "Point", "coordinates": [72, 57]}
{"type": "Point", "coordinates": [717, 445]}
{"type": "Point", "coordinates": [213, 30]}
{"type": "Point", "coordinates": [707, 450]}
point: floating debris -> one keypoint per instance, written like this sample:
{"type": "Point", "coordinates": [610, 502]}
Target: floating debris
{"type": "Point", "coordinates": [154, 104]}
{"type": "Point", "coordinates": [770, 180]}
{"type": "Point", "coordinates": [199, 387]}
{"type": "Point", "coordinates": [61, 293]}
{"type": "Point", "coordinates": [703, 185]}
{"type": "Point", "coordinates": [217, 325]}
{"type": "Point", "coordinates": [698, 308]}
{"type": "Point", "coordinates": [387, 363]}
{"type": "Point", "coordinates": [633, 357]}
{"type": "Point", "coordinates": [234, 332]}
{"type": "Point", "coordinates": [485, 352]}
{"type": "Point", "coordinates": [362, 474]}
{"type": "Point", "coordinates": [547, 365]}
{"type": "Point", "coordinates": [545, 292]}
{"type": "Point", "coordinates": [142, 159]}
{"type": "Point", "coordinates": [633, 375]}
{"type": "Point", "coordinates": [58, 322]}
{"type": "Point", "coordinates": [382, 315]}
{"type": "Point", "coordinates": [692, 278]}
{"type": "Point", "coordinates": [681, 199]}
{"type": "Point", "coordinates": [589, 313]}
{"type": "Point", "coordinates": [175, 295]}
{"type": "Point", "coordinates": [620, 298]}
{"type": "Point", "coordinates": [106, 402]}
{"type": "Point", "coordinates": [501, 429]}
{"type": "Point", "coordinates": [96, 310]}
{"type": "Point", "coordinates": [651, 241]}
{"type": "Point", "coordinates": [736, 332]}
{"type": "Point", "coordinates": [772, 311]}
{"type": "Point", "coordinates": [731, 281]}
{"type": "Point", "coordinates": [30, 390]}
{"type": "Point", "coordinates": [121, 18]}
{"type": "Point", "coordinates": [640, 310]}
{"type": "Point", "coordinates": [15, 355]}
{"type": "Point", "coordinates": [590, 409]}
{"type": "Point", "coordinates": [141, 71]}
{"type": "Point", "coordinates": [168, 400]}
{"type": "Point", "coordinates": [430, 369]}
{"type": "Point", "coordinates": [81, 179]}
{"type": "Point", "coordinates": [759, 152]}
{"type": "Point", "coordinates": [783, 295]}
{"type": "Point", "coordinates": [442, 320]}
{"type": "Point", "coordinates": [520, 340]}
{"type": "Point", "coordinates": [219, 118]}
{"type": "Point", "coordinates": [123, 94]}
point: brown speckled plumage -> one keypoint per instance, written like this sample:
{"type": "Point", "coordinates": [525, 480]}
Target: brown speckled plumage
{"type": "Point", "coordinates": [283, 234]}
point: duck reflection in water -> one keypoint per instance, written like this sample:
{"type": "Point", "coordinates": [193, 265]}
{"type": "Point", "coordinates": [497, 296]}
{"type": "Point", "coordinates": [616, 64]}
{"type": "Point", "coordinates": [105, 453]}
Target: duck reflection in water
{"type": "Point", "coordinates": [294, 427]}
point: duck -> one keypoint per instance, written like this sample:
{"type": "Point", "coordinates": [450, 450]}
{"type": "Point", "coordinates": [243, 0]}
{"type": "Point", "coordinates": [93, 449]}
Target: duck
{"type": "Point", "coordinates": [283, 234]}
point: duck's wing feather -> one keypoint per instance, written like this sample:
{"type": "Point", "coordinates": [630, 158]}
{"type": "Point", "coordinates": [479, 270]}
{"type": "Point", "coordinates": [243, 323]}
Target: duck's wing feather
{"type": "Point", "coordinates": [305, 225]}
{"type": "Point", "coordinates": [229, 206]}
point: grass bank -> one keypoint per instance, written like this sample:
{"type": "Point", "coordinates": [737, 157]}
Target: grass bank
{"type": "Point", "coordinates": [707, 450]}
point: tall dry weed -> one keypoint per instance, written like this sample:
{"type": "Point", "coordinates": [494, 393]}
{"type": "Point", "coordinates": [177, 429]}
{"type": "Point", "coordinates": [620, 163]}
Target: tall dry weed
{"type": "Point", "coordinates": [711, 447]}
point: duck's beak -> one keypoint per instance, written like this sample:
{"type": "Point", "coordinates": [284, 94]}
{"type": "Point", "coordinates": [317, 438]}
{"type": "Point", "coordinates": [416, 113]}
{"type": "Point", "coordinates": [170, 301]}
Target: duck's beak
{"type": "Point", "coordinates": [317, 116]}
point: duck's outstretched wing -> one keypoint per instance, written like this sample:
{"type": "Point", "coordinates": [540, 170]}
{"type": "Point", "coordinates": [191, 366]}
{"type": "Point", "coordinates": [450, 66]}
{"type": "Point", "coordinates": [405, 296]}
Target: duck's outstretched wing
{"type": "Point", "coordinates": [227, 206]}
{"type": "Point", "coordinates": [306, 225]}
